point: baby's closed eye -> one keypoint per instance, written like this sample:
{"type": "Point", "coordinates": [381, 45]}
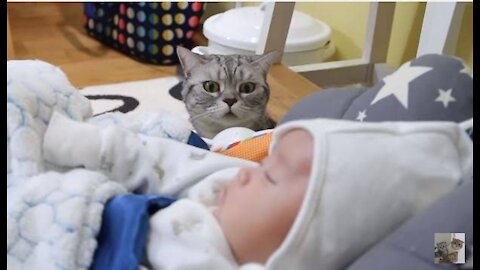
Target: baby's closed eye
{"type": "Point", "coordinates": [269, 178]}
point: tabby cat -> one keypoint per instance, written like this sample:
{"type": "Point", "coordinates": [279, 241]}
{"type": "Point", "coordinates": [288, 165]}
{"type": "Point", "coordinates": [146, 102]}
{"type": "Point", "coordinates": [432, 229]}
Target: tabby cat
{"type": "Point", "coordinates": [223, 91]}
{"type": "Point", "coordinates": [457, 244]}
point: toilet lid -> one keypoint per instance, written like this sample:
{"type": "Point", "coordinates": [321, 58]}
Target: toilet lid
{"type": "Point", "coordinates": [240, 28]}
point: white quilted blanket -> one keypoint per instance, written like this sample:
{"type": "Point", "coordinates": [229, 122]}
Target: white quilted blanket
{"type": "Point", "coordinates": [54, 214]}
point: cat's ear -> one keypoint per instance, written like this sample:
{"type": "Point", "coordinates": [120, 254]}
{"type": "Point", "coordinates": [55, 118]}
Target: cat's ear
{"type": "Point", "coordinates": [188, 60]}
{"type": "Point", "coordinates": [266, 60]}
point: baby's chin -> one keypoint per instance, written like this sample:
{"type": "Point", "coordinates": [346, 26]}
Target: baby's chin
{"type": "Point", "coordinates": [220, 200]}
{"type": "Point", "coordinates": [215, 210]}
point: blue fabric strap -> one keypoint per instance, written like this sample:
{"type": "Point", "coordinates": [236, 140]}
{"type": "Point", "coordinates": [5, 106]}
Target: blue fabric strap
{"type": "Point", "coordinates": [197, 141]}
{"type": "Point", "coordinates": [123, 234]}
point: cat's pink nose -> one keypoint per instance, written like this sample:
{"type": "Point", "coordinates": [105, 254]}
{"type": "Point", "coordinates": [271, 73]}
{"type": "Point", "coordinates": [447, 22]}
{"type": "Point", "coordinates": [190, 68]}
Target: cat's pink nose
{"type": "Point", "coordinates": [230, 101]}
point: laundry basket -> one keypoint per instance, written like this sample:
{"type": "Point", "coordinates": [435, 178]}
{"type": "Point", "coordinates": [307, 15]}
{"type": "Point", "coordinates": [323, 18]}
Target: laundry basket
{"type": "Point", "coordinates": [148, 32]}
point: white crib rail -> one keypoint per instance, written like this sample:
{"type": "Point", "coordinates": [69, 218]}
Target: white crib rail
{"type": "Point", "coordinates": [440, 29]}
{"type": "Point", "coordinates": [439, 34]}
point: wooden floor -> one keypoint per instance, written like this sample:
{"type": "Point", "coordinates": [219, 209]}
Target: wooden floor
{"type": "Point", "coordinates": [53, 32]}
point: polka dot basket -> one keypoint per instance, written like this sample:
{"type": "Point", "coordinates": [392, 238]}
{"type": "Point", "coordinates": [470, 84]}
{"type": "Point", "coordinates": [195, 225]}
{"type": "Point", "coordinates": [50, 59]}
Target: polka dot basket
{"type": "Point", "coordinates": [146, 31]}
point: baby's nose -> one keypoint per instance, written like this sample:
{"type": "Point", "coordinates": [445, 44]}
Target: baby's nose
{"type": "Point", "coordinates": [244, 176]}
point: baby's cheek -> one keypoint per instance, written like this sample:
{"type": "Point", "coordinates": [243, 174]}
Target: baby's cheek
{"type": "Point", "coordinates": [291, 201]}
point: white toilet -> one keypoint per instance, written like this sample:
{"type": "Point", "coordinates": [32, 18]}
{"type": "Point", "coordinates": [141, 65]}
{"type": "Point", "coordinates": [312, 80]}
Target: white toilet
{"type": "Point", "coordinates": [237, 31]}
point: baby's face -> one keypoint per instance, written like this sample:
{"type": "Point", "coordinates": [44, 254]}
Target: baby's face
{"type": "Point", "coordinates": [258, 207]}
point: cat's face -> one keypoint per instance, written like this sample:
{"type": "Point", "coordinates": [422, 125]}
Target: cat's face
{"type": "Point", "coordinates": [226, 87]}
{"type": "Point", "coordinates": [457, 244]}
{"type": "Point", "coordinates": [226, 90]}
{"type": "Point", "coordinates": [442, 245]}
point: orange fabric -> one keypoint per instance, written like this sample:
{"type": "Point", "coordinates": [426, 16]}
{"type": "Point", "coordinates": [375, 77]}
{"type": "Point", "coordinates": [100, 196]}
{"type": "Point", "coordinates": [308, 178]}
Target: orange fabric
{"type": "Point", "coordinates": [254, 149]}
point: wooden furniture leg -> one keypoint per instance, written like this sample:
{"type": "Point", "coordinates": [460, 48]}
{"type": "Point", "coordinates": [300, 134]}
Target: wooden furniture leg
{"type": "Point", "coordinates": [10, 51]}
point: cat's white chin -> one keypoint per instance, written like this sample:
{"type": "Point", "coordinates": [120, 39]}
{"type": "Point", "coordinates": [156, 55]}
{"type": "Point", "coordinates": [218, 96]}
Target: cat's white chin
{"type": "Point", "coordinates": [230, 116]}
{"type": "Point", "coordinates": [227, 113]}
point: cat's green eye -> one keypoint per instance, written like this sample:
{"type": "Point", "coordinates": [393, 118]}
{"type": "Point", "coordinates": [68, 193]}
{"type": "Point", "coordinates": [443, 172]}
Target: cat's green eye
{"type": "Point", "coordinates": [247, 88]}
{"type": "Point", "coordinates": [211, 86]}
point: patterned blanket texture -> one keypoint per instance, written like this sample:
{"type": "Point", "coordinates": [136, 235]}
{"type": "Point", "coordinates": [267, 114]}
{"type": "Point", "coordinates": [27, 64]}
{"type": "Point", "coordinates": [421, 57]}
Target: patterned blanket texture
{"type": "Point", "coordinates": [54, 213]}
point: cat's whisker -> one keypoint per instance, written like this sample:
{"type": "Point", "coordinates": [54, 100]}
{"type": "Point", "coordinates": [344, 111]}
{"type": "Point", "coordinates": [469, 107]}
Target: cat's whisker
{"type": "Point", "coordinates": [216, 109]}
{"type": "Point", "coordinates": [249, 111]}
{"type": "Point", "coordinates": [207, 112]}
{"type": "Point", "coordinates": [212, 108]}
{"type": "Point", "coordinates": [256, 120]}
{"type": "Point", "coordinates": [248, 108]}
{"type": "Point", "coordinates": [195, 117]}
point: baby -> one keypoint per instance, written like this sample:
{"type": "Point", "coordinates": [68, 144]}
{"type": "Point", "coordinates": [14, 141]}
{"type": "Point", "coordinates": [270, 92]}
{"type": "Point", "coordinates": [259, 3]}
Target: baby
{"type": "Point", "coordinates": [327, 191]}
{"type": "Point", "coordinates": [244, 223]}
{"type": "Point", "coordinates": [257, 209]}
{"type": "Point", "coordinates": [252, 217]}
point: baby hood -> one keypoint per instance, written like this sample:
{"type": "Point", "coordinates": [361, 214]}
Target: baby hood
{"type": "Point", "coordinates": [366, 179]}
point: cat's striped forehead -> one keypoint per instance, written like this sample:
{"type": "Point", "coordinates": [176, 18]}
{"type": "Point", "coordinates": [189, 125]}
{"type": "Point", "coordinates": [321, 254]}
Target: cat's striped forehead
{"type": "Point", "coordinates": [231, 61]}
{"type": "Point", "coordinates": [229, 65]}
